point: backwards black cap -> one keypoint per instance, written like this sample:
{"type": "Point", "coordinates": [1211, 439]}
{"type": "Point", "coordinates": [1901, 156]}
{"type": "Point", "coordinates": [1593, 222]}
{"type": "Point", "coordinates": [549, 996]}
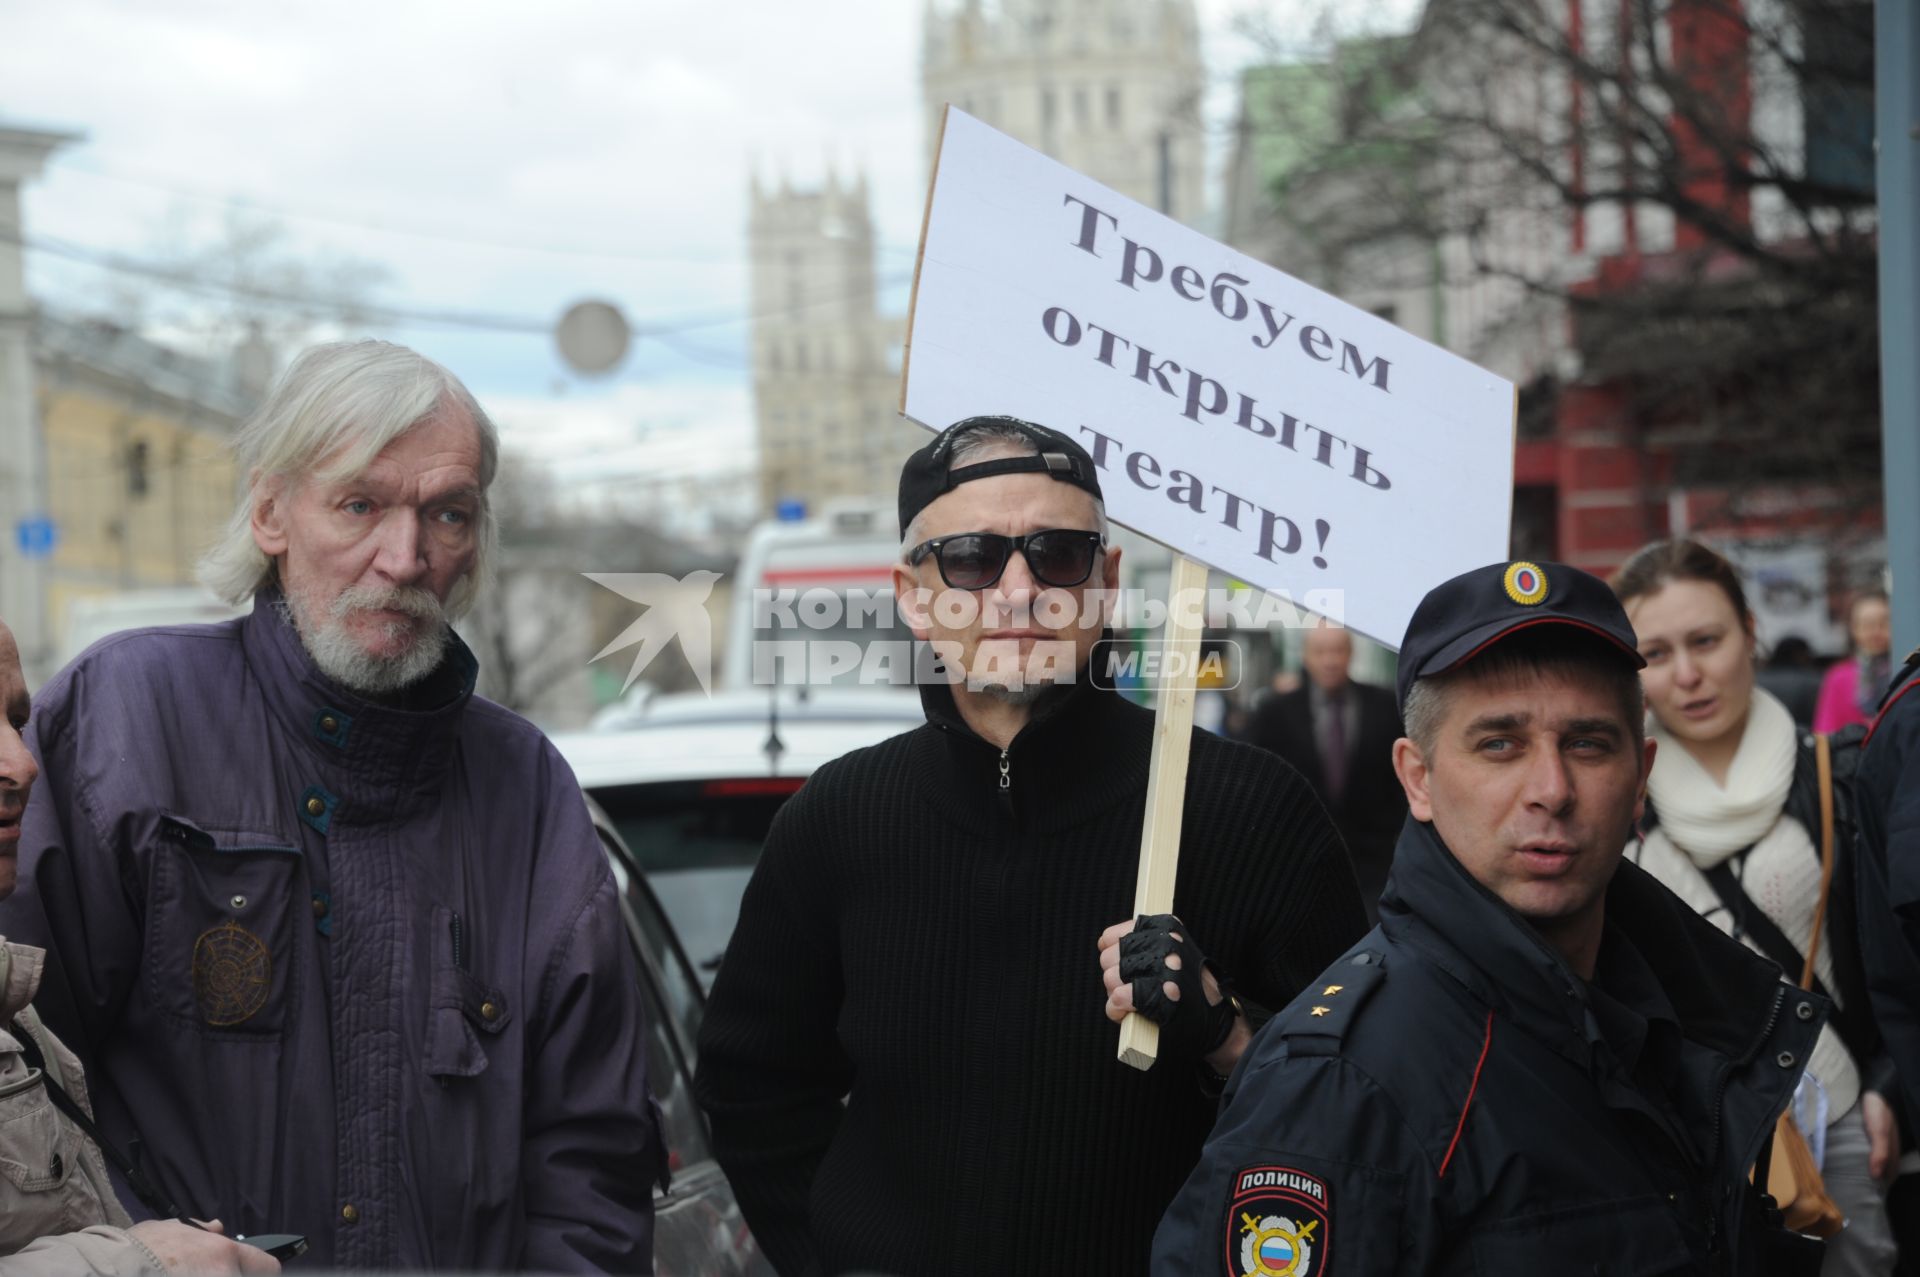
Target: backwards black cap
{"type": "Point", "coordinates": [1463, 617]}
{"type": "Point", "coordinates": [926, 475]}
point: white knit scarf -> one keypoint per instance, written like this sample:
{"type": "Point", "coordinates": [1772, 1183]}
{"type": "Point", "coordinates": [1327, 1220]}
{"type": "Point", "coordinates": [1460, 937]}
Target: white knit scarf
{"type": "Point", "coordinates": [1711, 822]}
{"type": "Point", "coordinates": [1702, 823]}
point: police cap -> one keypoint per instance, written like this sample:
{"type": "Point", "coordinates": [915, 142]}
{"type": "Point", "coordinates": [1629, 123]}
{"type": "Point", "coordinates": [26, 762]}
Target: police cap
{"type": "Point", "coordinates": [1461, 618]}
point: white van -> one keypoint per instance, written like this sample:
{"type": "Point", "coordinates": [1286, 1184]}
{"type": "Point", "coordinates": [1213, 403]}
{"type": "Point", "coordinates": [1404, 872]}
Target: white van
{"type": "Point", "coordinates": [91, 619]}
{"type": "Point", "coordinates": [825, 581]}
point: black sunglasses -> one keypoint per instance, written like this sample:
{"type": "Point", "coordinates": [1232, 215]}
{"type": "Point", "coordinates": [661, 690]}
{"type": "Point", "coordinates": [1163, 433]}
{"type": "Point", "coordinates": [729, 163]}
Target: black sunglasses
{"type": "Point", "coordinates": [1060, 557]}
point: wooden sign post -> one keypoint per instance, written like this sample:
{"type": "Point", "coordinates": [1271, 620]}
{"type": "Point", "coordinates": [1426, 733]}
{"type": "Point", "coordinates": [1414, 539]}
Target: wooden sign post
{"type": "Point", "coordinates": [1167, 777]}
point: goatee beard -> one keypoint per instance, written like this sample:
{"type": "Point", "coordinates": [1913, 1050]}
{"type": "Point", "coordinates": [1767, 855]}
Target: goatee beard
{"type": "Point", "coordinates": [340, 656]}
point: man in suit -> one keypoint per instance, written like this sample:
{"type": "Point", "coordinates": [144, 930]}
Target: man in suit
{"type": "Point", "coordinates": [1339, 734]}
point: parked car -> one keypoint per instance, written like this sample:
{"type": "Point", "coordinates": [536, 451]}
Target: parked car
{"type": "Point", "coordinates": [692, 783]}
{"type": "Point", "coordinates": [698, 1228]}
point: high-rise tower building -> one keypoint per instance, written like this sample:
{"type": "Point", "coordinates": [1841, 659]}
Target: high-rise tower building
{"type": "Point", "coordinates": [1109, 87]}
{"type": "Point", "coordinates": [825, 361]}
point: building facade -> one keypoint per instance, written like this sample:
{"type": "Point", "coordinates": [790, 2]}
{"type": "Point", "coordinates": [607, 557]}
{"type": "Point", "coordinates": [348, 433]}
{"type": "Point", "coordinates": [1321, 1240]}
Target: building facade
{"type": "Point", "coordinates": [140, 474]}
{"type": "Point", "coordinates": [1642, 298]}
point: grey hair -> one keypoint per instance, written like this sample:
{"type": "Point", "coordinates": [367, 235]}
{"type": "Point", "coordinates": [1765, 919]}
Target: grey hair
{"type": "Point", "coordinates": [1530, 654]}
{"type": "Point", "coordinates": [343, 403]}
{"type": "Point", "coordinates": [989, 440]}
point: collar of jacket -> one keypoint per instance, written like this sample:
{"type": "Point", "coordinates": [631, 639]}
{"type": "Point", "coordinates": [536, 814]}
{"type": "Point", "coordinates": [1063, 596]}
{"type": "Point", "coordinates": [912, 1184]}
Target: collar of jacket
{"type": "Point", "coordinates": [20, 967]}
{"type": "Point", "coordinates": [394, 742]}
{"type": "Point", "coordinates": [1725, 997]}
{"type": "Point", "coordinates": [1080, 753]}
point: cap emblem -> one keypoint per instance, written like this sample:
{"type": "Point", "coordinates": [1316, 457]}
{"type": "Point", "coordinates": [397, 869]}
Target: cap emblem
{"type": "Point", "coordinates": [1526, 583]}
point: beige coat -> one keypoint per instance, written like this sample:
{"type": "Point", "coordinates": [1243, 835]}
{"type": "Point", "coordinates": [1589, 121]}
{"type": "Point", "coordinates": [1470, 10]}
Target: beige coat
{"type": "Point", "coordinates": [58, 1214]}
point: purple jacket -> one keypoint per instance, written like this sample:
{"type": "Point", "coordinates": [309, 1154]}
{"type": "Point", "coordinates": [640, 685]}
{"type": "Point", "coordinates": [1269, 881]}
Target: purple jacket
{"type": "Point", "coordinates": [340, 968]}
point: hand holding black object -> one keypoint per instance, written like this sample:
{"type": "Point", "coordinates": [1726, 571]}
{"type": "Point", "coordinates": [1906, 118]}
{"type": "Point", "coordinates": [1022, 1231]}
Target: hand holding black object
{"type": "Point", "coordinates": [1159, 951]}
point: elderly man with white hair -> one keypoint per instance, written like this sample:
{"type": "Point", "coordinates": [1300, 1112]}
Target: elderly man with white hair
{"type": "Point", "coordinates": [334, 936]}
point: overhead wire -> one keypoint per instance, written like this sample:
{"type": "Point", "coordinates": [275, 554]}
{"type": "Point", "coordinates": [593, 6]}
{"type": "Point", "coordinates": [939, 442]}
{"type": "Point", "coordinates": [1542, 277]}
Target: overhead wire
{"type": "Point", "coordinates": [189, 281]}
{"type": "Point", "coordinates": [241, 203]}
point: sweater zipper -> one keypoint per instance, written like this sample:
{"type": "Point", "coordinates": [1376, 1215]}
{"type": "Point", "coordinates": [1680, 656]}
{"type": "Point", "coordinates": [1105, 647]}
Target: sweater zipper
{"type": "Point", "coordinates": [1006, 784]}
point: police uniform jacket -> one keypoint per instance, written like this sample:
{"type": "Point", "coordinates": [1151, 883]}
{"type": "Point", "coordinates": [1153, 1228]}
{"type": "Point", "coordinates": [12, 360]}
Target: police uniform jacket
{"type": "Point", "coordinates": [1451, 1098]}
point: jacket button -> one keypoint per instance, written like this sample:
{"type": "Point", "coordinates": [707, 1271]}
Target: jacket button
{"type": "Point", "coordinates": [350, 1213]}
{"type": "Point", "coordinates": [59, 1166]}
{"type": "Point", "coordinates": [315, 806]}
{"type": "Point", "coordinates": [1804, 1010]}
{"type": "Point", "coordinates": [488, 1011]}
{"type": "Point", "coordinates": [329, 724]}
{"type": "Point", "coordinates": [1784, 1059]}
{"type": "Point", "coordinates": [319, 905]}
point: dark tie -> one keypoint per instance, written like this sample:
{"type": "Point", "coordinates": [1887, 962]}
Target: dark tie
{"type": "Point", "coordinates": [1335, 763]}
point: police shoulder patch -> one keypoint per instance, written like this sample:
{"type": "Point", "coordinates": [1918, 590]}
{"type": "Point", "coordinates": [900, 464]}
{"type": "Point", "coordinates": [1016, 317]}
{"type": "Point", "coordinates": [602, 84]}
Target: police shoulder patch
{"type": "Point", "coordinates": [1277, 1223]}
{"type": "Point", "coordinates": [1315, 1021]}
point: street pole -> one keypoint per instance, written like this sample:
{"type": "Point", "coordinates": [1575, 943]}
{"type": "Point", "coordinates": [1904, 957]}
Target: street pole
{"type": "Point", "coordinates": [1897, 109]}
{"type": "Point", "coordinates": [23, 486]}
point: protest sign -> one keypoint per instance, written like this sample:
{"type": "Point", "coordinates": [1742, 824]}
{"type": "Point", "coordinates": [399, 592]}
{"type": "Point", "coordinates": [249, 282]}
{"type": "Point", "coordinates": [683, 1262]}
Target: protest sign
{"type": "Point", "coordinates": [1248, 421]}
{"type": "Point", "coordinates": [1239, 416]}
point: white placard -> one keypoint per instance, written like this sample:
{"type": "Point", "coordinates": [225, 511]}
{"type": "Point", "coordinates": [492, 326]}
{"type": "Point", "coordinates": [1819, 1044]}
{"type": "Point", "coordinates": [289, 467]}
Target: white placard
{"type": "Point", "coordinates": [1247, 420]}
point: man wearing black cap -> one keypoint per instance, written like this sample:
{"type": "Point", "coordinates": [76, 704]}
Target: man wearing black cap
{"type": "Point", "coordinates": [920, 935]}
{"type": "Point", "coordinates": [1540, 1061]}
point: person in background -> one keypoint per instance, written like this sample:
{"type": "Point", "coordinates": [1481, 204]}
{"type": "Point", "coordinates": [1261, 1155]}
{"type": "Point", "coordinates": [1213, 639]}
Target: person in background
{"type": "Point", "coordinates": [1339, 735]}
{"type": "Point", "coordinates": [1733, 829]}
{"type": "Point", "coordinates": [1854, 686]}
{"type": "Point", "coordinates": [58, 1213]}
{"type": "Point", "coordinates": [1793, 675]}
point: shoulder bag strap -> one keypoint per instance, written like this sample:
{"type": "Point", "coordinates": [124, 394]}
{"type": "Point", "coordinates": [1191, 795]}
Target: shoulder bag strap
{"type": "Point", "coordinates": [150, 1194]}
{"type": "Point", "coordinates": [1823, 760]}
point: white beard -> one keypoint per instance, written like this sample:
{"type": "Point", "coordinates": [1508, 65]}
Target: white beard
{"type": "Point", "coordinates": [341, 658]}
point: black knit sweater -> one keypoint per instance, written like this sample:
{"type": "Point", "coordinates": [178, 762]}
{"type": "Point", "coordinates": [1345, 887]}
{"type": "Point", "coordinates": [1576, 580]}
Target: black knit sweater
{"type": "Point", "coordinates": [921, 940]}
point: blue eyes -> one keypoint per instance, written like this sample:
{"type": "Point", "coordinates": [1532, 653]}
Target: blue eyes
{"type": "Point", "coordinates": [1582, 744]}
{"type": "Point", "coordinates": [453, 518]}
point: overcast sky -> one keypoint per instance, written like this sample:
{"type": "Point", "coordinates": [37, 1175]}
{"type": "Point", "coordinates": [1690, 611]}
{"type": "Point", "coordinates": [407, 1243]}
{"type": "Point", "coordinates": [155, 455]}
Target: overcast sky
{"type": "Point", "coordinates": [494, 158]}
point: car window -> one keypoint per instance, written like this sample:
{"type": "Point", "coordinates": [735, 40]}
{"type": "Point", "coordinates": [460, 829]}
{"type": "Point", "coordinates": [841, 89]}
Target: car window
{"type": "Point", "coordinates": [670, 1074]}
{"type": "Point", "coordinates": [684, 991]}
{"type": "Point", "coordinates": [667, 957]}
{"type": "Point", "coordinates": [703, 824]}
{"type": "Point", "coordinates": [698, 842]}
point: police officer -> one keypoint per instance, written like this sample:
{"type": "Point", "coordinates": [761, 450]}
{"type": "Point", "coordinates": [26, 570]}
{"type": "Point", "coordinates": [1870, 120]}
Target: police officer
{"type": "Point", "coordinates": [1540, 1061]}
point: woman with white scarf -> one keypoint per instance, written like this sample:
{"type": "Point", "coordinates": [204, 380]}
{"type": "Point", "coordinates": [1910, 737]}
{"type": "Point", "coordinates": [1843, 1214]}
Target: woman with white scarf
{"type": "Point", "coordinates": [1733, 784]}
